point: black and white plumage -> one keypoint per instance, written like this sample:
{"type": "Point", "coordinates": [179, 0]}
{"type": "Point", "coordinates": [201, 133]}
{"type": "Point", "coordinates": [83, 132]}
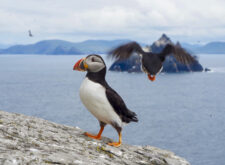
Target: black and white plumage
{"type": "Point", "coordinates": [100, 99]}
{"type": "Point", "coordinates": [152, 63]}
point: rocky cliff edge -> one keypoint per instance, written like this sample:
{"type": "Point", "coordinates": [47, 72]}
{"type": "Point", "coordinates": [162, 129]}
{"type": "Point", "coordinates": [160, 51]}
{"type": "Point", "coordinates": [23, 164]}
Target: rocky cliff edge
{"type": "Point", "coordinates": [29, 140]}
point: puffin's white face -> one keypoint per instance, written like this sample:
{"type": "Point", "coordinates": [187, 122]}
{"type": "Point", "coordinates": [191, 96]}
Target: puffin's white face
{"type": "Point", "coordinates": [95, 63]}
{"type": "Point", "coordinates": [92, 63]}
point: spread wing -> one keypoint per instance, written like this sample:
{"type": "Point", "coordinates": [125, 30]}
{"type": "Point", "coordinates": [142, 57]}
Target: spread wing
{"type": "Point", "coordinates": [125, 51]}
{"type": "Point", "coordinates": [178, 52]}
{"type": "Point", "coordinates": [119, 106]}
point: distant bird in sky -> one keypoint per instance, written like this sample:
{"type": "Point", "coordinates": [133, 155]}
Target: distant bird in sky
{"type": "Point", "coordinates": [152, 63]}
{"type": "Point", "coordinates": [100, 99]}
{"type": "Point", "coordinates": [30, 34]}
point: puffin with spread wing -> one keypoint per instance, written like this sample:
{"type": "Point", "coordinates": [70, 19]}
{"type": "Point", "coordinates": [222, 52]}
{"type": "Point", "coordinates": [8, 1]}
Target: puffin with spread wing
{"type": "Point", "coordinates": [152, 63]}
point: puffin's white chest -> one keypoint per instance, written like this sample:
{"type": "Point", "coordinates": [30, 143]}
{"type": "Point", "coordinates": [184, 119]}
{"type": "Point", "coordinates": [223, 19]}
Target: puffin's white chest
{"type": "Point", "coordinates": [94, 98]}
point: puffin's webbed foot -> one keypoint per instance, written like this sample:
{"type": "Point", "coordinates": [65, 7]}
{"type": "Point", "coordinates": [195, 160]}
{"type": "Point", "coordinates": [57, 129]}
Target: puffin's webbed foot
{"type": "Point", "coordinates": [92, 136]}
{"type": "Point", "coordinates": [98, 136]}
{"type": "Point", "coordinates": [151, 77]}
{"type": "Point", "coordinates": [117, 144]}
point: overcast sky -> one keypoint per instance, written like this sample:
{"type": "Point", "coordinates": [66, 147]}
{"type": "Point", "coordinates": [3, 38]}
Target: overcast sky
{"type": "Point", "coordinates": [193, 21]}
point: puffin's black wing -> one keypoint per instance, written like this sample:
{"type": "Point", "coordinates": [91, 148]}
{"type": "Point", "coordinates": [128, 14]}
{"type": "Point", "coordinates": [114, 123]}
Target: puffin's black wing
{"type": "Point", "coordinates": [178, 52]}
{"type": "Point", "coordinates": [124, 51]}
{"type": "Point", "coordinates": [119, 106]}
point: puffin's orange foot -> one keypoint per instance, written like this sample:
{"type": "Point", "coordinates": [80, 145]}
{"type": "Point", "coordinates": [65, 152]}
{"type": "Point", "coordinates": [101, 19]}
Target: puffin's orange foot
{"type": "Point", "coordinates": [92, 136]}
{"type": "Point", "coordinates": [115, 144]}
{"type": "Point", "coordinates": [151, 77]}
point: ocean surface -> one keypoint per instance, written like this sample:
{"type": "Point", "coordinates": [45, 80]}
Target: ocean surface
{"type": "Point", "coordinates": [183, 113]}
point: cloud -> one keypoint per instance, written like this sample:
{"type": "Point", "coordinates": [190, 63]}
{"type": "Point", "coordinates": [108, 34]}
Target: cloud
{"type": "Point", "coordinates": [143, 20]}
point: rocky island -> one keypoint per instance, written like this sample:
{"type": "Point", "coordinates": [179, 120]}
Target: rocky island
{"type": "Point", "coordinates": [30, 140]}
{"type": "Point", "coordinates": [170, 65]}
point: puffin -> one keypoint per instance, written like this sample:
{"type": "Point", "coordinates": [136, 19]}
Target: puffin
{"type": "Point", "coordinates": [152, 63]}
{"type": "Point", "coordinates": [100, 99]}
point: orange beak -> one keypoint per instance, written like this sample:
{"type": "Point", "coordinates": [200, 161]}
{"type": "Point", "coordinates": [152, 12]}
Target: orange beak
{"type": "Point", "coordinates": [150, 77]}
{"type": "Point", "coordinates": [80, 65]}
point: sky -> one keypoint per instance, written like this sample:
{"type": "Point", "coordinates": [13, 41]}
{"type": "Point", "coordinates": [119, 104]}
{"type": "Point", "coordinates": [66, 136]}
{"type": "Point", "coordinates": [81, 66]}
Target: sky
{"type": "Point", "coordinates": [190, 21]}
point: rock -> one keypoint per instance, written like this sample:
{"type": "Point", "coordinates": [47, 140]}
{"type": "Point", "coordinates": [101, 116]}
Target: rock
{"type": "Point", "coordinates": [29, 140]}
{"type": "Point", "coordinates": [171, 65]}
{"type": "Point", "coordinates": [130, 65]}
{"type": "Point", "coordinates": [207, 70]}
{"type": "Point", "coordinates": [158, 45]}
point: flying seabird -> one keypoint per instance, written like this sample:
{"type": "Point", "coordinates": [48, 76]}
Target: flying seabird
{"type": "Point", "coordinates": [30, 34]}
{"type": "Point", "coordinates": [100, 99]}
{"type": "Point", "coordinates": [152, 63]}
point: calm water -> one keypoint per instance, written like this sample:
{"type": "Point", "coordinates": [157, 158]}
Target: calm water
{"type": "Point", "coordinates": [184, 113]}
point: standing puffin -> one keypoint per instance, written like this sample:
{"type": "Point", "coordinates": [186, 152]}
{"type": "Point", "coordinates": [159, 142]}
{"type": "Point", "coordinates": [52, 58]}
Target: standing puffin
{"type": "Point", "coordinates": [100, 99]}
{"type": "Point", "coordinates": [152, 63]}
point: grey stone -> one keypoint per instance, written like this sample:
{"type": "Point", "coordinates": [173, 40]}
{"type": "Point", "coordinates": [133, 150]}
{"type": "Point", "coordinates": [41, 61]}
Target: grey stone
{"type": "Point", "coordinates": [30, 140]}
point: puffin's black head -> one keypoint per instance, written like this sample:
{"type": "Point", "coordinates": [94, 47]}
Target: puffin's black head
{"type": "Point", "coordinates": [91, 63]}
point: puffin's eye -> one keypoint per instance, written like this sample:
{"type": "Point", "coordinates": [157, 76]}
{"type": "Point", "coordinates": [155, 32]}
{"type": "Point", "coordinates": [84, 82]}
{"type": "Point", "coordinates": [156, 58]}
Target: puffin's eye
{"type": "Point", "coordinates": [92, 60]}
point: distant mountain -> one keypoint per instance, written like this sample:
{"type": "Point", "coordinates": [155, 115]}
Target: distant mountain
{"type": "Point", "coordinates": [42, 47]}
{"type": "Point", "coordinates": [98, 46]}
{"type": "Point", "coordinates": [57, 47]}
{"type": "Point", "coordinates": [4, 46]}
{"type": "Point", "coordinates": [171, 65]}
{"type": "Point", "coordinates": [190, 47]}
{"type": "Point", "coordinates": [210, 48]}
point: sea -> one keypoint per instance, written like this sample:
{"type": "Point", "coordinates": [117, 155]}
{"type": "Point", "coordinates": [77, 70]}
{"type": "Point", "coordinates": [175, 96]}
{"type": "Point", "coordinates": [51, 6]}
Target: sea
{"type": "Point", "coordinates": [182, 112]}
